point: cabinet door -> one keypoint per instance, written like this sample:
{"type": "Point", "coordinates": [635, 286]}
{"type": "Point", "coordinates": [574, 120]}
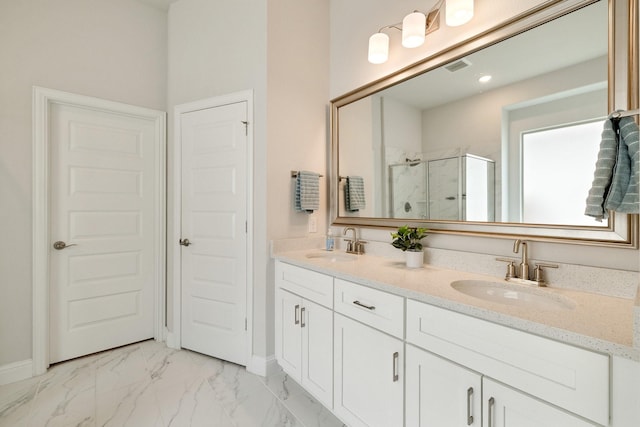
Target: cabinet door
{"type": "Point", "coordinates": [506, 407]}
{"type": "Point", "coordinates": [288, 333]}
{"type": "Point", "coordinates": [317, 351]}
{"type": "Point", "coordinates": [441, 393]}
{"type": "Point", "coordinates": [368, 382]}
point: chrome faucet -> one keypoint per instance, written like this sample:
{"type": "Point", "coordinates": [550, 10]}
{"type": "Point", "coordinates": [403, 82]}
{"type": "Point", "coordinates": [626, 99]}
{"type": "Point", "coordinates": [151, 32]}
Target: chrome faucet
{"type": "Point", "coordinates": [354, 245]}
{"type": "Point", "coordinates": [523, 272]}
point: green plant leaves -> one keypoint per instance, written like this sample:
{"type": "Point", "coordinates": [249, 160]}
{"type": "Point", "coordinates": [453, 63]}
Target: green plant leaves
{"type": "Point", "coordinates": [408, 238]}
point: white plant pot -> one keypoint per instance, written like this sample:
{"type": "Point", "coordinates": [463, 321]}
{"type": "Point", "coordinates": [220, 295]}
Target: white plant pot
{"type": "Point", "coordinates": [414, 259]}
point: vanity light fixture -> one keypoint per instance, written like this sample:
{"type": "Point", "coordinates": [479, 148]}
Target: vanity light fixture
{"type": "Point", "coordinates": [459, 12]}
{"type": "Point", "coordinates": [416, 25]}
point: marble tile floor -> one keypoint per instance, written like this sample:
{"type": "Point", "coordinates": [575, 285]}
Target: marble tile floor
{"type": "Point", "coordinates": [149, 385]}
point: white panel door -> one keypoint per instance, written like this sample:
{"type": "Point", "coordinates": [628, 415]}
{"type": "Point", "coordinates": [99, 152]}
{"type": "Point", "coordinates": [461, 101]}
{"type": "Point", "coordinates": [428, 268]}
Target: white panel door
{"type": "Point", "coordinates": [368, 375]}
{"type": "Point", "coordinates": [103, 207]}
{"type": "Point", "coordinates": [288, 337]}
{"type": "Point", "coordinates": [214, 215]}
{"type": "Point", "coordinates": [316, 323]}
{"type": "Point", "coordinates": [441, 393]}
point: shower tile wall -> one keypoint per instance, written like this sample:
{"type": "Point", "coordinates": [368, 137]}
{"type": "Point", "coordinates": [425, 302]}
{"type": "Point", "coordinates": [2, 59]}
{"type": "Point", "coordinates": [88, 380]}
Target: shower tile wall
{"type": "Point", "coordinates": [409, 191]}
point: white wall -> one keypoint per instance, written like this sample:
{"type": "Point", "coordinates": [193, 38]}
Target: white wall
{"type": "Point", "coordinates": [280, 50]}
{"type": "Point", "coordinates": [297, 131]}
{"type": "Point", "coordinates": [352, 22]}
{"type": "Point", "coordinates": [113, 49]}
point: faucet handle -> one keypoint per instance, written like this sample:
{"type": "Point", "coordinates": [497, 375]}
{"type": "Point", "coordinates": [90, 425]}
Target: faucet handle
{"type": "Point", "coordinates": [359, 246]}
{"type": "Point", "coordinates": [349, 248]}
{"type": "Point", "coordinates": [538, 273]}
{"type": "Point", "coordinates": [511, 267]}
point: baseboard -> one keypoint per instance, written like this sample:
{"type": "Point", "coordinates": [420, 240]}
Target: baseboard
{"type": "Point", "coordinates": [16, 371]}
{"type": "Point", "coordinates": [171, 340]}
{"type": "Point", "coordinates": [263, 366]}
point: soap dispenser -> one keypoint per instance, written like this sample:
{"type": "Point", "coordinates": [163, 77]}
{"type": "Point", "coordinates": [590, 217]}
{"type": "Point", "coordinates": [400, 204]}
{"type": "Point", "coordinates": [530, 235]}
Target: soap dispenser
{"type": "Point", "coordinates": [329, 241]}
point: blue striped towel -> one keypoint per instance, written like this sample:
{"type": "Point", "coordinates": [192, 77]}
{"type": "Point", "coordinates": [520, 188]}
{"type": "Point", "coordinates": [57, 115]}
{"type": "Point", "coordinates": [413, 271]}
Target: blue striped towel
{"type": "Point", "coordinates": [307, 192]}
{"type": "Point", "coordinates": [603, 173]}
{"type": "Point", "coordinates": [354, 194]}
{"type": "Point", "coordinates": [623, 195]}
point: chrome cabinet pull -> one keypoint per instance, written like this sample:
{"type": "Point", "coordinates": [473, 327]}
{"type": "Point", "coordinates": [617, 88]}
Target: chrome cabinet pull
{"type": "Point", "coordinates": [184, 242]}
{"type": "Point", "coordinates": [368, 307]}
{"type": "Point", "coordinates": [396, 355]}
{"type": "Point", "coordinates": [469, 396]}
{"type": "Point", "coordinates": [296, 315]}
{"type": "Point", "coordinates": [59, 245]}
{"type": "Point", "coordinates": [492, 402]}
{"type": "Point", "coordinates": [302, 310]}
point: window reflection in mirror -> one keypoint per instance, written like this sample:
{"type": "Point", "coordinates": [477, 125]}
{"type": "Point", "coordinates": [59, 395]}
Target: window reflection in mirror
{"type": "Point", "coordinates": [557, 171]}
{"type": "Point", "coordinates": [444, 146]}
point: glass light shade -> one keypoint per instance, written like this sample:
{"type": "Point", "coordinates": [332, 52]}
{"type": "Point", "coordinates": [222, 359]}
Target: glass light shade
{"type": "Point", "coordinates": [458, 12]}
{"type": "Point", "coordinates": [413, 29]}
{"type": "Point", "coordinates": [378, 48]}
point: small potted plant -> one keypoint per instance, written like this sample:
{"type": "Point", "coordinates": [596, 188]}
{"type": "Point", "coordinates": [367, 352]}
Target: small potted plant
{"type": "Point", "coordinates": [409, 240]}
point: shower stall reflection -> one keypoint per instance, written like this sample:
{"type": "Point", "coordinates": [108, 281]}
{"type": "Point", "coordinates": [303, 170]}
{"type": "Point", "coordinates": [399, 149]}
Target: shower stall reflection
{"type": "Point", "coordinates": [454, 188]}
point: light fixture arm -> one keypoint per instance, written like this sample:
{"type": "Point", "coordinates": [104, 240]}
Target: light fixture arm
{"type": "Point", "coordinates": [397, 26]}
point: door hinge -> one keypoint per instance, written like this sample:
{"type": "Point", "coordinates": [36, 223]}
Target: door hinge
{"type": "Point", "coordinates": [246, 127]}
{"type": "Point", "coordinates": [245, 323]}
{"type": "Point", "coordinates": [246, 227]}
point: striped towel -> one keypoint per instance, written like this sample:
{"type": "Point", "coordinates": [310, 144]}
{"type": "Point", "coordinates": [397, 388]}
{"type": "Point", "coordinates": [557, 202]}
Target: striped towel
{"type": "Point", "coordinates": [603, 173]}
{"type": "Point", "coordinates": [354, 194]}
{"type": "Point", "coordinates": [623, 196]}
{"type": "Point", "coordinates": [307, 192]}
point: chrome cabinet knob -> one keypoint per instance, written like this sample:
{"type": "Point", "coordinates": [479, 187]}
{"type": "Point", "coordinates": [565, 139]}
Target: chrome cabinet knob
{"type": "Point", "coordinates": [184, 242]}
{"type": "Point", "coordinates": [59, 245]}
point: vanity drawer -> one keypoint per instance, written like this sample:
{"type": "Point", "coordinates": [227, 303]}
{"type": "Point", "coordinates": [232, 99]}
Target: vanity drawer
{"type": "Point", "coordinates": [375, 308]}
{"type": "Point", "coordinates": [316, 287]}
{"type": "Point", "coordinates": [572, 378]}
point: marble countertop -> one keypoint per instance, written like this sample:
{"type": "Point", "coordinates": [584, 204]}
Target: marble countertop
{"type": "Point", "coordinates": [600, 323]}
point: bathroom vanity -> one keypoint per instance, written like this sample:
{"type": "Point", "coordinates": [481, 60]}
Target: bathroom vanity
{"type": "Point", "coordinates": [382, 345]}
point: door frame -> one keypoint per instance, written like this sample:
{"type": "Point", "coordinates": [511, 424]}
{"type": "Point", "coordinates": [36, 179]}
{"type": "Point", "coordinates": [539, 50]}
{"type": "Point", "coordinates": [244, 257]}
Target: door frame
{"type": "Point", "coordinates": [174, 338]}
{"type": "Point", "coordinates": [43, 99]}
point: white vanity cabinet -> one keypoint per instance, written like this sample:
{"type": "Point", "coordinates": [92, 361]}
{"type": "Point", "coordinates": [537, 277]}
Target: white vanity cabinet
{"type": "Point", "coordinates": [369, 356]}
{"type": "Point", "coordinates": [304, 329]}
{"type": "Point", "coordinates": [542, 374]}
{"type": "Point", "coordinates": [442, 393]}
{"type": "Point", "coordinates": [369, 375]}
{"type": "Point", "coordinates": [379, 359]}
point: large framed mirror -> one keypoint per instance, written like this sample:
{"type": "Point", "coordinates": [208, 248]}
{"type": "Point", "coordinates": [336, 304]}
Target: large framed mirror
{"type": "Point", "coordinates": [433, 145]}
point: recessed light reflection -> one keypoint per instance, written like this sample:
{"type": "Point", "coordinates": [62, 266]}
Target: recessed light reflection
{"type": "Point", "coordinates": [484, 79]}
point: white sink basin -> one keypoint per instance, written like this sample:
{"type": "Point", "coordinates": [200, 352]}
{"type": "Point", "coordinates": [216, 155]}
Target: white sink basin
{"type": "Point", "coordinates": [332, 256]}
{"type": "Point", "coordinates": [513, 295]}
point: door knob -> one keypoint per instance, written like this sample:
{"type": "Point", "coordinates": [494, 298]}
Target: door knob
{"type": "Point", "coordinates": [184, 242]}
{"type": "Point", "coordinates": [59, 245]}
